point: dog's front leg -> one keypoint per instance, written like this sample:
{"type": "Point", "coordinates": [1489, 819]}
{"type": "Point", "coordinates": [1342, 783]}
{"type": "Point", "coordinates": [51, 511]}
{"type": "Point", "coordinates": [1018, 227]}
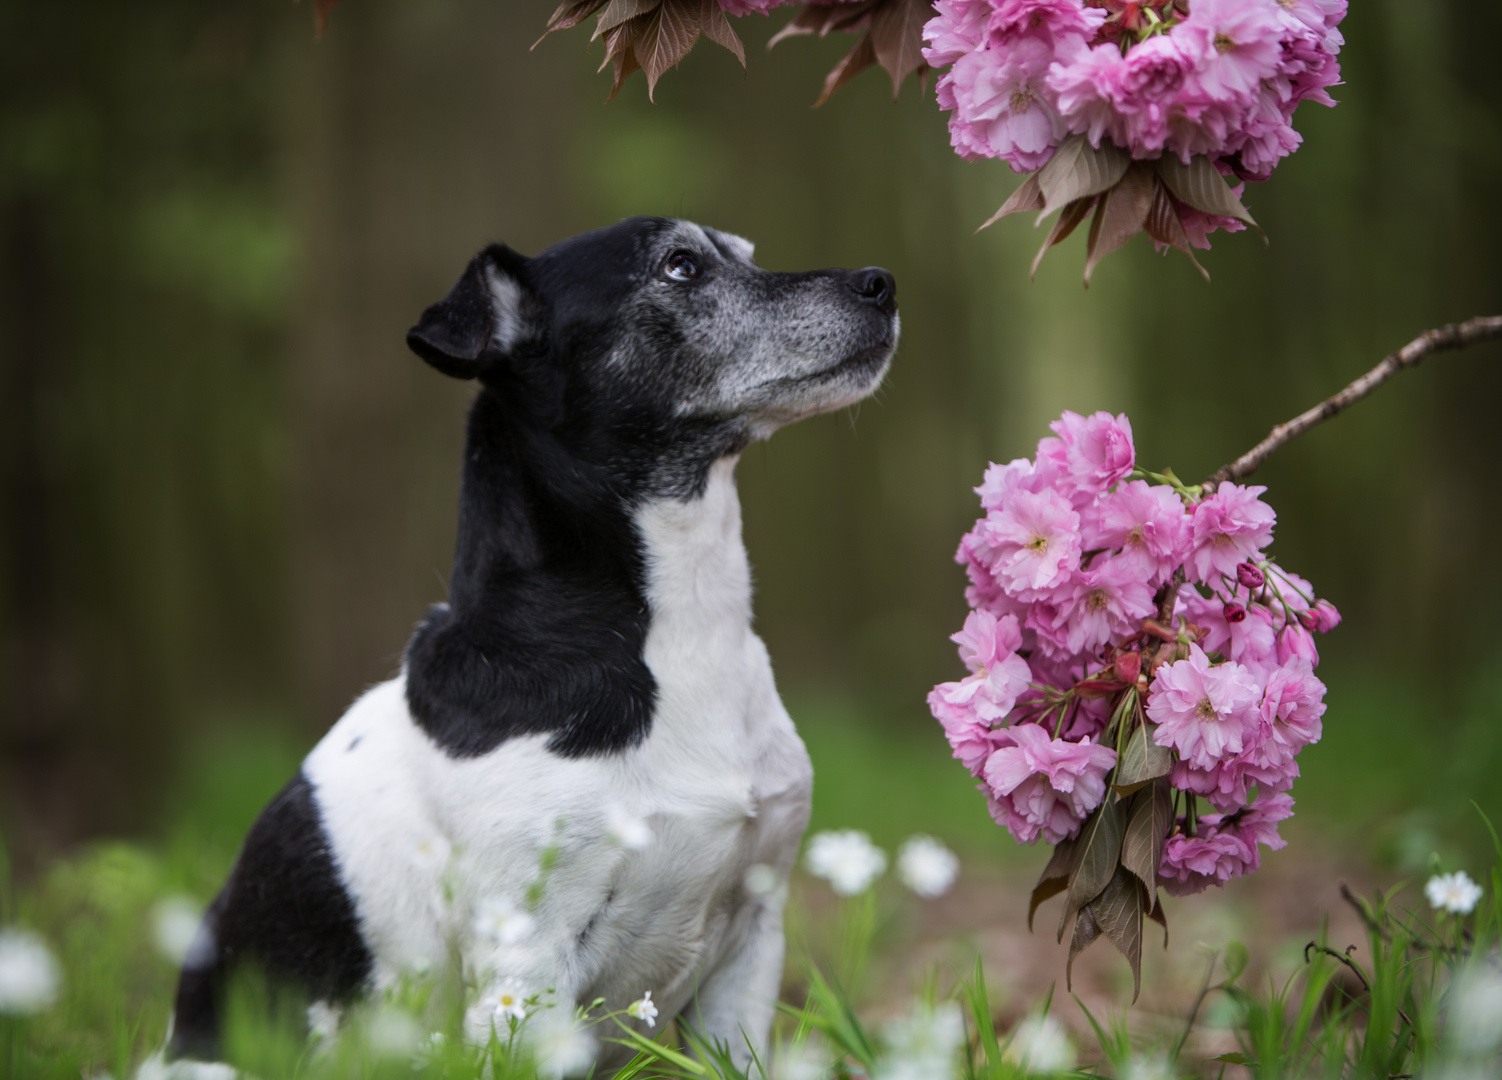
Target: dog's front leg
{"type": "Point", "coordinates": [736, 1003]}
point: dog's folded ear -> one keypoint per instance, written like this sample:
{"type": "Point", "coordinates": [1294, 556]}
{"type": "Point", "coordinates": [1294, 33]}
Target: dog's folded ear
{"type": "Point", "coordinates": [482, 318]}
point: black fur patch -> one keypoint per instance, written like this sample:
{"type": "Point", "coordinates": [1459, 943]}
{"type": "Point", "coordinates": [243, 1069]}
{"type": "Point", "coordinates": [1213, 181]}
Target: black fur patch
{"type": "Point", "coordinates": [283, 910]}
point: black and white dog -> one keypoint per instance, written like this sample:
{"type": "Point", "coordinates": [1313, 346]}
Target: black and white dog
{"type": "Point", "coordinates": [595, 663]}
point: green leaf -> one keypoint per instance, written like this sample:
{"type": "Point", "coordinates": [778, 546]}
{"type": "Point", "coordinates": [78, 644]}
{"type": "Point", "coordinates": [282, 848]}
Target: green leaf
{"type": "Point", "coordinates": [1118, 913]}
{"type": "Point", "coordinates": [1142, 760]}
{"type": "Point", "coordinates": [1233, 1058]}
{"type": "Point", "coordinates": [1200, 186]}
{"type": "Point", "coordinates": [1235, 960]}
{"type": "Point", "coordinates": [1149, 820]}
{"type": "Point", "coordinates": [1078, 170]}
{"type": "Point", "coordinates": [1122, 215]}
{"type": "Point", "coordinates": [1099, 842]}
{"type": "Point", "coordinates": [1055, 877]}
{"type": "Point", "coordinates": [1028, 196]}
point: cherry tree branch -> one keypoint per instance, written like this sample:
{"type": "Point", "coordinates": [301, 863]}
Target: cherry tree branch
{"type": "Point", "coordinates": [1454, 336]}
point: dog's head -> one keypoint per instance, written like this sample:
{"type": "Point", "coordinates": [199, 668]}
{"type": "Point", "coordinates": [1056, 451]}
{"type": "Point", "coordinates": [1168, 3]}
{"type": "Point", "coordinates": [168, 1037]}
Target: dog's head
{"type": "Point", "coordinates": [658, 345]}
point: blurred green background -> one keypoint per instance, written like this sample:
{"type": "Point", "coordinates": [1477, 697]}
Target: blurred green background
{"type": "Point", "coordinates": [227, 491]}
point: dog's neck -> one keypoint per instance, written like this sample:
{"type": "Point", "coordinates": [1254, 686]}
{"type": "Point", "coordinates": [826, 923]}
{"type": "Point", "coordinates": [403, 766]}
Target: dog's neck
{"type": "Point", "coordinates": [558, 577]}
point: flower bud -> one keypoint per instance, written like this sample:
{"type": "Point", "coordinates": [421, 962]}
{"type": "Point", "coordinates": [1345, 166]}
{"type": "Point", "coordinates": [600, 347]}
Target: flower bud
{"type": "Point", "coordinates": [1129, 666]}
{"type": "Point", "coordinates": [1308, 620]}
{"type": "Point", "coordinates": [1249, 575]}
{"type": "Point", "coordinates": [1296, 643]}
{"type": "Point", "coordinates": [1325, 616]}
{"type": "Point", "coordinates": [1235, 612]}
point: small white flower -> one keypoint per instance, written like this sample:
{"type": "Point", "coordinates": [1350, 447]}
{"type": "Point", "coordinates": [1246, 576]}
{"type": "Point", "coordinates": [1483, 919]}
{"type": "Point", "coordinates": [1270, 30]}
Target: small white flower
{"type": "Point", "coordinates": [174, 926]}
{"type": "Point", "coordinates": [29, 976]}
{"type": "Point", "coordinates": [800, 1061]}
{"type": "Point", "coordinates": [323, 1021]}
{"type": "Point", "coordinates": [1149, 1068]}
{"type": "Point", "coordinates": [927, 866]}
{"type": "Point", "coordinates": [1455, 893]}
{"type": "Point", "coordinates": [761, 879]}
{"type": "Point", "coordinates": [508, 1002]}
{"type": "Point", "coordinates": [1041, 1043]}
{"type": "Point", "coordinates": [643, 1009]}
{"type": "Point", "coordinates": [501, 923]}
{"type": "Point", "coordinates": [923, 1044]}
{"type": "Point", "coordinates": [846, 858]}
{"type": "Point", "coordinates": [560, 1046]}
{"type": "Point", "coordinates": [1475, 1020]}
{"type": "Point", "coordinates": [627, 830]}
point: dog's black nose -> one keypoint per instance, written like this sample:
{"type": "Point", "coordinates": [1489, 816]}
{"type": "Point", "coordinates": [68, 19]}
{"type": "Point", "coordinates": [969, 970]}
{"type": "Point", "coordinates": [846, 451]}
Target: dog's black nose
{"type": "Point", "coordinates": [875, 286]}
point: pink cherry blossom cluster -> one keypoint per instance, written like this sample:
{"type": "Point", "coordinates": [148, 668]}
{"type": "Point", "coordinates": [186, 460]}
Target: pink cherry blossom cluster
{"type": "Point", "coordinates": [1214, 77]}
{"type": "Point", "coordinates": [1070, 571]}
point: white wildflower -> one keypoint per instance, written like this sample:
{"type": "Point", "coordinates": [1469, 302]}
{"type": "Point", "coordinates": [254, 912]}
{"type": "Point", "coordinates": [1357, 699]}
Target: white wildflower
{"type": "Point", "coordinates": [1041, 1043]}
{"type": "Point", "coordinates": [29, 976]}
{"type": "Point", "coordinates": [643, 1009]}
{"type": "Point", "coordinates": [1149, 1068]}
{"type": "Point", "coordinates": [801, 1062]}
{"type": "Point", "coordinates": [174, 926]}
{"type": "Point", "coordinates": [761, 879]}
{"type": "Point", "coordinates": [627, 830]}
{"type": "Point", "coordinates": [560, 1047]}
{"type": "Point", "coordinates": [846, 858]}
{"type": "Point", "coordinates": [392, 1032]}
{"type": "Point", "coordinates": [323, 1021]}
{"type": "Point", "coordinates": [1475, 1020]}
{"type": "Point", "coordinates": [1455, 893]}
{"type": "Point", "coordinates": [502, 1003]}
{"type": "Point", "coordinates": [927, 866]}
{"type": "Point", "coordinates": [923, 1044]}
{"type": "Point", "coordinates": [501, 923]}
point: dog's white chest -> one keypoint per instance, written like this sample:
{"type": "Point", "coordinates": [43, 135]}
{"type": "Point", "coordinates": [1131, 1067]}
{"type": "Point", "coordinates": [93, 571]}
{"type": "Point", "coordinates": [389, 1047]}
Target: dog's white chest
{"type": "Point", "coordinates": [632, 865]}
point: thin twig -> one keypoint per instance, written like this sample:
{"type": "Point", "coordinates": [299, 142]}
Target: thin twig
{"type": "Point", "coordinates": [1454, 336]}
{"type": "Point", "coordinates": [1345, 959]}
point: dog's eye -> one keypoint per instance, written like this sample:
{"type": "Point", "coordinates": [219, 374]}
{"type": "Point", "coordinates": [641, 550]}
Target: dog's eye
{"type": "Point", "coordinates": [681, 266]}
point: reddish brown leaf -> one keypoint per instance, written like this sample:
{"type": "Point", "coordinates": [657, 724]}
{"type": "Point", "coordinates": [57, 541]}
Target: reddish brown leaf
{"type": "Point", "coordinates": [862, 56]}
{"type": "Point", "coordinates": [1123, 214]}
{"type": "Point", "coordinates": [1072, 215]}
{"type": "Point", "coordinates": [1199, 185]}
{"type": "Point", "coordinates": [1055, 877]}
{"type": "Point", "coordinates": [622, 11]}
{"type": "Point", "coordinates": [1165, 226]}
{"type": "Point", "coordinates": [1157, 916]}
{"type": "Point", "coordinates": [717, 29]}
{"type": "Point", "coordinates": [620, 48]}
{"type": "Point", "coordinates": [897, 37]}
{"type": "Point", "coordinates": [1027, 197]}
{"type": "Point", "coordinates": [669, 34]}
{"type": "Point", "coordinates": [1078, 170]}
{"type": "Point", "coordinates": [1099, 843]}
{"type": "Point", "coordinates": [822, 19]}
{"type": "Point", "coordinates": [1148, 822]}
{"type": "Point", "coordinates": [570, 14]}
{"type": "Point", "coordinates": [1086, 930]}
{"type": "Point", "coordinates": [1118, 914]}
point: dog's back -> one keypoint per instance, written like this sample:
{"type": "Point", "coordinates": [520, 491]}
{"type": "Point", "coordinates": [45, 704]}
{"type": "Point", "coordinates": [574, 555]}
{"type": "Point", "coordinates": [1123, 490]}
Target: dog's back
{"type": "Point", "coordinates": [588, 734]}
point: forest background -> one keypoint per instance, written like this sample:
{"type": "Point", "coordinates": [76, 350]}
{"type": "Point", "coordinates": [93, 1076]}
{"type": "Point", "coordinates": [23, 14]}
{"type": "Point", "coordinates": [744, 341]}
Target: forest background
{"type": "Point", "coordinates": [227, 491]}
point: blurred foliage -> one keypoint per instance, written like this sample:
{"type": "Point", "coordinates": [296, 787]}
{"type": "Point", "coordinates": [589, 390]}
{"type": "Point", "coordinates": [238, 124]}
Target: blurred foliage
{"type": "Point", "coordinates": [229, 492]}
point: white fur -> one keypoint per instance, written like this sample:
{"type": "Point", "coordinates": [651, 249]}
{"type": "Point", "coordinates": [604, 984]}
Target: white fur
{"type": "Point", "coordinates": [722, 781]}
